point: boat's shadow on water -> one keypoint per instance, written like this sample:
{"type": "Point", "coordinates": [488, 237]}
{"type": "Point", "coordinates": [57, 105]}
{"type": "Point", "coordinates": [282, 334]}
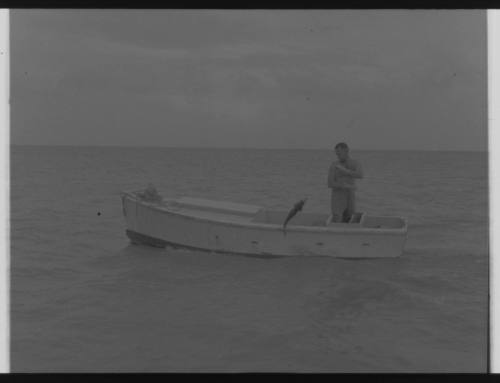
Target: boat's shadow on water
{"type": "Point", "coordinates": [135, 250]}
{"type": "Point", "coordinates": [257, 256]}
{"type": "Point", "coordinates": [144, 250]}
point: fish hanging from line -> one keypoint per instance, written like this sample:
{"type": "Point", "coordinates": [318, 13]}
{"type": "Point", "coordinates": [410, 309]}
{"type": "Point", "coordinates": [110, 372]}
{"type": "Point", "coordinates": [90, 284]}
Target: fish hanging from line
{"type": "Point", "coordinates": [296, 208]}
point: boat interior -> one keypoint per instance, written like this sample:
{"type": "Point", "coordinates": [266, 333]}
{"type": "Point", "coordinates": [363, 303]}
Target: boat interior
{"type": "Point", "coordinates": [319, 219]}
{"type": "Point", "coordinates": [229, 211]}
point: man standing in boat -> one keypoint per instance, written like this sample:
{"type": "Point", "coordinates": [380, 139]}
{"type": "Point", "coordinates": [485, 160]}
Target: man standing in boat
{"type": "Point", "coordinates": [341, 179]}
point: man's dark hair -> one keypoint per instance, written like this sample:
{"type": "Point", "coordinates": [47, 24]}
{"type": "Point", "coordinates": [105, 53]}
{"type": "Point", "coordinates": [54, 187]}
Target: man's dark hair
{"type": "Point", "coordinates": [341, 145]}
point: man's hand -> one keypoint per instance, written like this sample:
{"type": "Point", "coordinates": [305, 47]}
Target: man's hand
{"type": "Point", "coordinates": [343, 169]}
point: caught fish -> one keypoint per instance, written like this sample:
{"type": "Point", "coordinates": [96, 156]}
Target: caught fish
{"type": "Point", "coordinates": [296, 208]}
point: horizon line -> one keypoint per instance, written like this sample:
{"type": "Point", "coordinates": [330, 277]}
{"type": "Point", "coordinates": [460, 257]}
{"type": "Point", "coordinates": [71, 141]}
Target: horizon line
{"type": "Point", "coordinates": [245, 148]}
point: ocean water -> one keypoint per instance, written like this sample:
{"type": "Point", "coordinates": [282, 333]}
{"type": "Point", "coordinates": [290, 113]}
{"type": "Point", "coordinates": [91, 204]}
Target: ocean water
{"type": "Point", "coordinates": [83, 299]}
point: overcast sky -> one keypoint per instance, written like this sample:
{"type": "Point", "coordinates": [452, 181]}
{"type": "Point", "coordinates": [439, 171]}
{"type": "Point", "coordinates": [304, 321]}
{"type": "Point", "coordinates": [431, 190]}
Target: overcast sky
{"type": "Point", "coordinates": [237, 78]}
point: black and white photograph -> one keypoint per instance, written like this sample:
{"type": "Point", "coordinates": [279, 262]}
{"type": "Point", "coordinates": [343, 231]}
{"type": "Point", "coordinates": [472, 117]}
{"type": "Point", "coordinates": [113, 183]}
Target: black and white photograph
{"type": "Point", "coordinates": [249, 190]}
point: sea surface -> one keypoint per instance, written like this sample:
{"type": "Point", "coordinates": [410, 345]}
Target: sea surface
{"type": "Point", "coordinates": [83, 299]}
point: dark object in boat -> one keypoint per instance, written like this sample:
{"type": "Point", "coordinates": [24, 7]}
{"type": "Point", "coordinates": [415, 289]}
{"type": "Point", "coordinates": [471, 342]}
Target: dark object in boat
{"type": "Point", "coordinates": [296, 208]}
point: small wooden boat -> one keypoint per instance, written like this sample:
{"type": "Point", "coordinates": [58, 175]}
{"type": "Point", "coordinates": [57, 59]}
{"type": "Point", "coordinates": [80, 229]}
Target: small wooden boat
{"type": "Point", "coordinates": [226, 227]}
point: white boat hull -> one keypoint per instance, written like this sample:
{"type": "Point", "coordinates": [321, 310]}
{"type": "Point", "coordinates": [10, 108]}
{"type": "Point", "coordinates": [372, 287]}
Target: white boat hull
{"type": "Point", "coordinates": [240, 232]}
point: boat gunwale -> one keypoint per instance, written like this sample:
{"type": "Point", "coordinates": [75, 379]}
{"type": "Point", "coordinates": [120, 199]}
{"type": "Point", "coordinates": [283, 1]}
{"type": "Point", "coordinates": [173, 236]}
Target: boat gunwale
{"type": "Point", "coordinates": [275, 227]}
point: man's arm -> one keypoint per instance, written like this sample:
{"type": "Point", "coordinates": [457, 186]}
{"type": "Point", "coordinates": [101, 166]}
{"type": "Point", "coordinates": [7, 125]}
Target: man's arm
{"type": "Point", "coordinates": [331, 176]}
{"type": "Point", "coordinates": [356, 173]}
